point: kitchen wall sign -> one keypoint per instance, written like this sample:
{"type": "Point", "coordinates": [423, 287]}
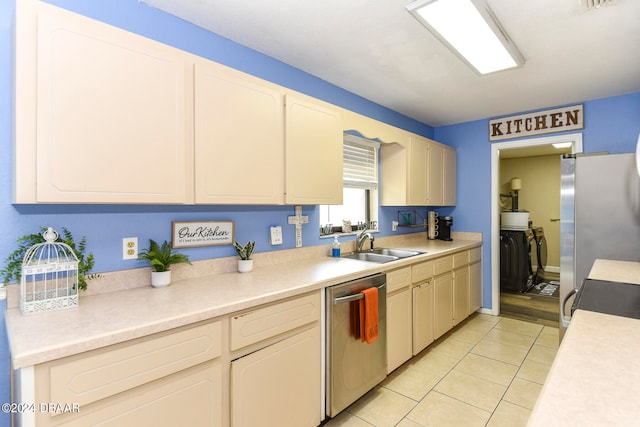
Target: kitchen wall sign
{"type": "Point", "coordinates": [201, 233]}
{"type": "Point", "coordinates": [538, 123]}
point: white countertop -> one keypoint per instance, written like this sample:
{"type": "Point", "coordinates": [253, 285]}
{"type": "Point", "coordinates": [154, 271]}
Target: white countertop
{"type": "Point", "coordinates": [110, 318]}
{"type": "Point", "coordinates": [594, 379]}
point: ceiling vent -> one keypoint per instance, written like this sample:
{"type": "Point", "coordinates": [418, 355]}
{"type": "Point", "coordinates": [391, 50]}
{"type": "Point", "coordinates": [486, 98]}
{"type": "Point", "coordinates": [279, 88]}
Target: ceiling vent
{"type": "Point", "coordinates": [596, 4]}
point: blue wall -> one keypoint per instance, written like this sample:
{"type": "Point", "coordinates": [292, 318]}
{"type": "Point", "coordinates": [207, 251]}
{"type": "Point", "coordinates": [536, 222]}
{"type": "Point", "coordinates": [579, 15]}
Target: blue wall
{"type": "Point", "coordinates": [611, 124]}
{"type": "Point", "coordinates": [105, 226]}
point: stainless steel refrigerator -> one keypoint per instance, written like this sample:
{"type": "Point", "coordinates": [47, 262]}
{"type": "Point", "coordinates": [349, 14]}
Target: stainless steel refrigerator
{"type": "Point", "coordinates": [599, 217]}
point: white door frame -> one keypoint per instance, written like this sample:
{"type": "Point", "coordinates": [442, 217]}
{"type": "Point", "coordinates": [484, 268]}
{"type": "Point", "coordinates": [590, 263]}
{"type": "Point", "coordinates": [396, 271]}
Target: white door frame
{"type": "Point", "coordinates": [576, 141]}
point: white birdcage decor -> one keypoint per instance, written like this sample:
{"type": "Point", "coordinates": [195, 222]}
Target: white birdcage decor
{"type": "Point", "coordinates": [49, 276]}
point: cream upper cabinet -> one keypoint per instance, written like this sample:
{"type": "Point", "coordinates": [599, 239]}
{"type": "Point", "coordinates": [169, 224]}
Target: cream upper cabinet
{"type": "Point", "coordinates": [313, 153]}
{"type": "Point", "coordinates": [435, 170]}
{"type": "Point", "coordinates": [442, 175]}
{"type": "Point", "coordinates": [419, 172]}
{"type": "Point", "coordinates": [449, 176]}
{"type": "Point", "coordinates": [103, 118]}
{"type": "Point", "coordinates": [239, 138]}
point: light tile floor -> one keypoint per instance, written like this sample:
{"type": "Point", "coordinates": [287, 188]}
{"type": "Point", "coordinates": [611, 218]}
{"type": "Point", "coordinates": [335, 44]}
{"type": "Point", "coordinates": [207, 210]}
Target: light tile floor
{"type": "Point", "coordinates": [488, 371]}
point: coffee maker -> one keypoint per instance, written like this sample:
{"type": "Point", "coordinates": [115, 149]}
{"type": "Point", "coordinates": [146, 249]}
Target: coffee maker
{"type": "Point", "coordinates": [444, 227]}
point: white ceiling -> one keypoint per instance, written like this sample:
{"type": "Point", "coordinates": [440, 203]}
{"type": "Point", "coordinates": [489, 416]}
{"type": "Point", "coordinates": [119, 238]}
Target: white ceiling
{"type": "Point", "coordinates": [376, 49]}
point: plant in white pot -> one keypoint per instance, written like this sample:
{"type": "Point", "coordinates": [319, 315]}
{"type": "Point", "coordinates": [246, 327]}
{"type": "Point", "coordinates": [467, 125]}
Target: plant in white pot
{"type": "Point", "coordinates": [161, 258]}
{"type": "Point", "coordinates": [245, 263]}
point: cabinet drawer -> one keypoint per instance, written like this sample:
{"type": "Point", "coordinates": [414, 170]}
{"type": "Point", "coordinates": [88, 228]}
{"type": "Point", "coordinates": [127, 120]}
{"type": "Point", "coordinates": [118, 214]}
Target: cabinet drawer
{"type": "Point", "coordinates": [262, 323]}
{"type": "Point", "coordinates": [475, 254]}
{"type": "Point", "coordinates": [460, 259]}
{"type": "Point", "coordinates": [398, 279]}
{"type": "Point", "coordinates": [442, 265]}
{"type": "Point", "coordinates": [102, 373]}
{"type": "Point", "coordinates": [422, 271]}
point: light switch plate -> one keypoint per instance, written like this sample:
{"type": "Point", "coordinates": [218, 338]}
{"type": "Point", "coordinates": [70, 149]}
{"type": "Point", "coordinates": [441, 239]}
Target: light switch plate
{"type": "Point", "coordinates": [276, 235]}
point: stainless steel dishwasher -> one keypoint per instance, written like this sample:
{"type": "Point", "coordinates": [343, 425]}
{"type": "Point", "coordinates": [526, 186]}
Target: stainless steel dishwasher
{"type": "Point", "coordinates": [353, 367]}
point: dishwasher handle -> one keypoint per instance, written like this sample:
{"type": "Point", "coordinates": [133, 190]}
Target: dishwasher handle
{"type": "Point", "coordinates": [353, 297]}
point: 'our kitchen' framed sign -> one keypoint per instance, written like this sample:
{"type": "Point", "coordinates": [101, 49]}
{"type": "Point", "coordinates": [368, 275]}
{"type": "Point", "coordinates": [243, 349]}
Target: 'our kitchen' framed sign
{"type": "Point", "coordinates": [201, 233]}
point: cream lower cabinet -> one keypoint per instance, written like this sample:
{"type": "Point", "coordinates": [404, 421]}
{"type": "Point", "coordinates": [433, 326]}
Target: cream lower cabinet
{"type": "Point", "coordinates": [460, 294]}
{"type": "Point", "coordinates": [399, 318]}
{"type": "Point", "coordinates": [167, 379]}
{"type": "Point", "coordinates": [276, 366]}
{"type": "Point", "coordinates": [423, 305]}
{"type": "Point", "coordinates": [443, 291]}
{"type": "Point", "coordinates": [103, 118]}
{"type": "Point", "coordinates": [460, 286]}
{"type": "Point", "coordinates": [423, 315]}
{"type": "Point", "coordinates": [278, 385]}
{"type": "Point", "coordinates": [475, 279]}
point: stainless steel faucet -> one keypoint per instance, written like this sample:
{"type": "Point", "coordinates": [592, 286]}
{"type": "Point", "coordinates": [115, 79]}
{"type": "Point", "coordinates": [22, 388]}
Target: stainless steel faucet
{"type": "Point", "coordinates": [361, 237]}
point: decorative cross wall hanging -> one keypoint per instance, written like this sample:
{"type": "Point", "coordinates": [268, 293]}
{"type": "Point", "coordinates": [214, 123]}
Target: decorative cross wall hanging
{"type": "Point", "coordinates": [298, 219]}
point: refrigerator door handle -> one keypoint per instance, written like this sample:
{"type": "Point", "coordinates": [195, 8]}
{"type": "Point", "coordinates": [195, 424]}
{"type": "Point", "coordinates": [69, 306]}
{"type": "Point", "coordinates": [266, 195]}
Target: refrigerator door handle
{"type": "Point", "coordinates": [566, 319]}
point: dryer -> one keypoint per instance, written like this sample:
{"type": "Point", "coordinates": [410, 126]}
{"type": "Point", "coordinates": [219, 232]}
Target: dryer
{"type": "Point", "coordinates": [515, 259]}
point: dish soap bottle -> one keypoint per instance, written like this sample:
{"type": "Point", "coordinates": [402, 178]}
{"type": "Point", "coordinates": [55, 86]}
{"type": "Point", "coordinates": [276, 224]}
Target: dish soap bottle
{"type": "Point", "coordinates": [335, 247]}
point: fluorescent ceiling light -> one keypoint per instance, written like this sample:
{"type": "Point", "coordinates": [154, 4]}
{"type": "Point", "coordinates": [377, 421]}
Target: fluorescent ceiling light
{"type": "Point", "coordinates": [471, 31]}
{"type": "Point", "coordinates": [562, 145]}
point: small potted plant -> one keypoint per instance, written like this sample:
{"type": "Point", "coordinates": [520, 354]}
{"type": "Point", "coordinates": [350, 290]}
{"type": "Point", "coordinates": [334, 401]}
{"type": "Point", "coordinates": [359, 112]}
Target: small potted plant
{"type": "Point", "coordinates": [161, 259]}
{"type": "Point", "coordinates": [245, 263]}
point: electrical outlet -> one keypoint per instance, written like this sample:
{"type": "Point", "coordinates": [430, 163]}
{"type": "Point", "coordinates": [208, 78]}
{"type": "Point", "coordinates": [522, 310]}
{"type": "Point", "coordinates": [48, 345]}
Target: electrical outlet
{"type": "Point", "coordinates": [276, 235]}
{"type": "Point", "coordinates": [130, 248]}
{"type": "Point", "coordinates": [394, 225]}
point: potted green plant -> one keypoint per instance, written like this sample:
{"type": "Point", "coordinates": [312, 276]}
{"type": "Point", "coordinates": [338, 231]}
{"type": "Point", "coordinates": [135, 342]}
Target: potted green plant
{"type": "Point", "coordinates": [13, 270]}
{"type": "Point", "coordinates": [161, 258]}
{"type": "Point", "coordinates": [245, 263]}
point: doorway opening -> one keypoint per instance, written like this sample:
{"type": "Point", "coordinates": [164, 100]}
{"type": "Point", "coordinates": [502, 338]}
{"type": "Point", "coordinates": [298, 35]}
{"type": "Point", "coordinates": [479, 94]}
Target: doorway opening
{"type": "Point", "coordinates": [521, 151]}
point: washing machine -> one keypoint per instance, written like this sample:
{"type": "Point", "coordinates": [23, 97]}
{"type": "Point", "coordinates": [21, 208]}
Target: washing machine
{"type": "Point", "coordinates": [540, 254]}
{"type": "Point", "coordinates": [515, 259]}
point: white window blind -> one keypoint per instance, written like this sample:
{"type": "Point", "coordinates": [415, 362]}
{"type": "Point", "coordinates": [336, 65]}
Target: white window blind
{"type": "Point", "coordinates": [360, 162]}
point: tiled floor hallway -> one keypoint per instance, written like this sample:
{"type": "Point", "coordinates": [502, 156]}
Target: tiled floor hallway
{"type": "Point", "coordinates": [488, 371]}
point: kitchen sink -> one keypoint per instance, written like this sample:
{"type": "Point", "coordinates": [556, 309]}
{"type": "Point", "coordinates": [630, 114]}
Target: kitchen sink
{"type": "Point", "coordinates": [371, 257]}
{"type": "Point", "coordinates": [381, 255]}
{"type": "Point", "coordinates": [400, 253]}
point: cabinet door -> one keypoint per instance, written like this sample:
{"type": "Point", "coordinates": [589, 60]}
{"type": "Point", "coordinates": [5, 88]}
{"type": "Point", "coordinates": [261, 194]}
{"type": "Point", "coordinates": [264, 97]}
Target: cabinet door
{"type": "Point", "coordinates": [435, 175]}
{"type": "Point", "coordinates": [278, 385]}
{"type": "Point", "coordinates": [111, 115]}
{"type": "Point", "coordinates": [239, 138]}
{"type": "Point", "coordinates": [418, 173]}
{"type": "Point", "coordinates": [443, 304]}
{"type": "Point", "coordinates": [460, 294]}
{"type": "Point", "coordinates": [313, 153]}
{"type": "Point", "coordinates": [475, 287]}
{"type": "Point", "coordinates": [399, 337]}
{"type": "Point", "coordinates": [423, 312]}
{"type": "Point", "coordinates": [196, 391]}
{"type": "Point", "coordinates": [449, 176]}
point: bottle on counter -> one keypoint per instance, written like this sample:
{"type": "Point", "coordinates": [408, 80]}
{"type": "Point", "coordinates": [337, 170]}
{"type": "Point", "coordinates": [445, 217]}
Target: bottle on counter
{"type": "Point", "coordinates": [335, 247]}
